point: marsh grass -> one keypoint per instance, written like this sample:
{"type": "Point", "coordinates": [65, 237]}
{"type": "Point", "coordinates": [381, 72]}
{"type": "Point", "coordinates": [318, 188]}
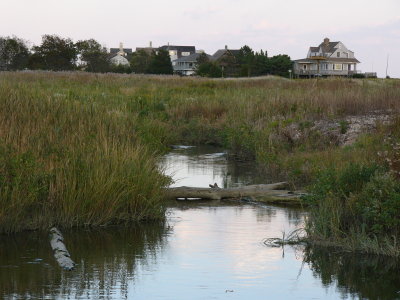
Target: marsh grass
{"type": "Point", "coordinates": [90, 141]}
{"type": "Point", "coordinates": [69, 157]}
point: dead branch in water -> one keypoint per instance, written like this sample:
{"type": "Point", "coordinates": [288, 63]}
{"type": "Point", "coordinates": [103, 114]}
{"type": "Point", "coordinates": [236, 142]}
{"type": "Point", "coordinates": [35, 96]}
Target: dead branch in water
{"type": "Point", "coordinates": [61, 253]}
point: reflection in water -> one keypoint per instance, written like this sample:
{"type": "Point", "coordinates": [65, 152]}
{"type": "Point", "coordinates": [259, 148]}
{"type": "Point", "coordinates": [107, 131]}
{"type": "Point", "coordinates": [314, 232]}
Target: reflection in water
{"type": "Point", "coordinates": [362, 276]}
{"type": "Point", "coordinates": [200, 166]}
{"type": "Point", "coordinates": [206, 250]}
{"type": "Point", "coordinates": [106, 259]}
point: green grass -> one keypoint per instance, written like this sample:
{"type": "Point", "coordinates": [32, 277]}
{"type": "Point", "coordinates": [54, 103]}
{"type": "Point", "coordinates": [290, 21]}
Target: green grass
{"type": "Point", "coordinates": [81, 149]}
{"type": "Point", "coordinates": [70, 155]}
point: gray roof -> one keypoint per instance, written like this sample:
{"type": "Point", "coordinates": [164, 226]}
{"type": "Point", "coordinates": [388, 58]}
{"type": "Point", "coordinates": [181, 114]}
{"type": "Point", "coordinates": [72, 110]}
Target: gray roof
{"type": "Point", "coordinates": [329, 47]}
{"type": "Point", "coordinates": [314, 49]}
{"type": "Point", "coordinates": [191, 49]}
{"type": "Point", "coordinates": [191, 58]}
{"type": "Point", "coordinates": [148, 50]}
{"type": "Point", "coordinates": [116, 50]}
{"type": "Point", "coordinates": [217, 55]}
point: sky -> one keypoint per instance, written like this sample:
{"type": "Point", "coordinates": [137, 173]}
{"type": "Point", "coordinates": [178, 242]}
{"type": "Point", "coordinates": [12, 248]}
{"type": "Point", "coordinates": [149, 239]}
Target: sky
{"type": "Point", "coordinates": [370, 28]}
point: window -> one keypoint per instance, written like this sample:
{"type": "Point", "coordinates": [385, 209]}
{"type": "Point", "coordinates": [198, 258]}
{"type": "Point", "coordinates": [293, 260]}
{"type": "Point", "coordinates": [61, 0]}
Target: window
{"type": "Point", "coordinates": [337, 67]}
{"type": "Point", "coordinates": [305, 67]}
{"type": "Point", "coordinates": [172, 52]}
{"type": "Point", "coordinates": [185, 53]}
{"type": "Point", "coordinates": [338, 54]}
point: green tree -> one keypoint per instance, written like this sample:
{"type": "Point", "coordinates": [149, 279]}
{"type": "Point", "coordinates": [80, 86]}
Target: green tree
{"type": "Point", "coordinates": [246, 59]}
{"type": "Point", "coordinates": [14, 53]}
{"type": "Point", "coordinates": [280, 65]}
{"type": "Point", "coordinates": [203, 58]}
{"type": "Point", "coordinates": [160, 63]}
{"type": "Point", "coordinates": [261, 64]}
{"type": "Point", "coordinates": [140, 62]}
{"type": "Point", "coordinates": [209, 69]}
{"type": "Point", "coordinates": [55, 53]}
{"type": "Point", "coordinates": [92, 56]}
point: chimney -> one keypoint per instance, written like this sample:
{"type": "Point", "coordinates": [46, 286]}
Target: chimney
{"type": "Point", "coordinates": [151, 44]}
{"type": "Point", "coordinates": [226, 47]}
{"type": "Point", "coordinates": [121, 47]}
{"type": "Point", "coordinates": [326, 41]}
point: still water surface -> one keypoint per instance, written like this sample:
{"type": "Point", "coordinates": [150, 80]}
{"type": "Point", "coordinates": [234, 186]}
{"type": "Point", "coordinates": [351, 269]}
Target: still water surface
{"type": "Point", "coordinates": [205, 250]}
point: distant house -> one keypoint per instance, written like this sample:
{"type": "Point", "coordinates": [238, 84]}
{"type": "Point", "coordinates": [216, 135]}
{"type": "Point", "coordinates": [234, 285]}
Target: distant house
{"type": "Point", "coordinates": [187, 65]}
{"type": "Point", "coordinates": [223, 54]}
{"type": "Point", "coordinates": [149, 50]}
{"type": "Point", "coordinates": [227, 59]}
{"type": "Point", "coordinates": [176, 52]}
{"type": "Point", "coordinates": [120, 56]}
{"type": "Point", "coordinates": [328, 59]}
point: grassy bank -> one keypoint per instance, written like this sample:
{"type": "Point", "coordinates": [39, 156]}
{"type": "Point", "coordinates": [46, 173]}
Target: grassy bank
{"type": "Point", "coordinates": [70, 158]}
{"type": "Point", "coordinates": [78, 148]}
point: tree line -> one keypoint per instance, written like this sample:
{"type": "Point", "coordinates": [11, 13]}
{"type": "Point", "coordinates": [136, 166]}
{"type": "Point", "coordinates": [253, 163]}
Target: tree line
{"type": "Point", "coordinates": [245, 63]}
{"type": "Point", "coordinates": [62, 54]}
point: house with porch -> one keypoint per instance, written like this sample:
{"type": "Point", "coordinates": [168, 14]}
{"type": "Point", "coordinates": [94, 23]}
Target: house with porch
{"type": "Point", "coordinates": [187, 65]}
{"type": "Point", "coordinates": [328, 59]}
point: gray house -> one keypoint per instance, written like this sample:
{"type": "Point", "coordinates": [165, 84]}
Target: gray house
{"type": "Point", "coordinates": [176, 52]}
{"type": "Point", "coordinates": [187, 65]}
{"type": "Point", "coordinates": [328, 59]}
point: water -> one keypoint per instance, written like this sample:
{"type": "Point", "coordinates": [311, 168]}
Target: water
{"type": "Point", "coordinates": [205, 250]}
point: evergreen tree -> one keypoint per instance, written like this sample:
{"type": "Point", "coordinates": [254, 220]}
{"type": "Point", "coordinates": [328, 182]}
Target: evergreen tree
{"type": "Point", "coordinates": [140, 62]}
{"type": "Point", "coordinates": [160, 63]}
{"type": "Point", "coordinates": [280, 65]}
{"type": "Point", "coordinates": [246, 59]}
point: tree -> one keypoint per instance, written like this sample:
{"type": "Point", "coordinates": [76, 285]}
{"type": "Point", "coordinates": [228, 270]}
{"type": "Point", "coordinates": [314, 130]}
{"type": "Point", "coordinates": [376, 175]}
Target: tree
{"type": "Point", "coordinates": [207, 68]}
{"type": "Point", "coordinates": [280, 65]}
{"type": "Point", "coordinates": [246, 59]}
{"type": "Point", "coordinates": [14, 53]}
{"type": "Point", "coordinates": [92, 56]}
{"type": "Point", "coordinates": [203, 58]}
{"type": "Point", "coordinates": [55, 53]}
{"type": "Point", "coordinates": [140, 62]}
{"type": "Point", "coordinates": [160, 63]}
{"type": "Point", "coordinates": [261, 64]}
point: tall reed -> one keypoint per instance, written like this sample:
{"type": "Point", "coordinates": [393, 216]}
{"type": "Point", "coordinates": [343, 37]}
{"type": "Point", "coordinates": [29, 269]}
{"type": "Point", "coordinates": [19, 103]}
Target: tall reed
{"type": "Point", "coordinates": [69, 158]}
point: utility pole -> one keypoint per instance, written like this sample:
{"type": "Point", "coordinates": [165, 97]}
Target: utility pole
{"type": "Point", "coordinates": [387, 65]}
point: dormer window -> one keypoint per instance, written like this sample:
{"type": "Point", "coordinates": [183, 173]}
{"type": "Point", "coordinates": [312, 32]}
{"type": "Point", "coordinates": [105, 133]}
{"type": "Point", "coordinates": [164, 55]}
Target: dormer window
{"type": "Point", "coordinates": [338, 54]}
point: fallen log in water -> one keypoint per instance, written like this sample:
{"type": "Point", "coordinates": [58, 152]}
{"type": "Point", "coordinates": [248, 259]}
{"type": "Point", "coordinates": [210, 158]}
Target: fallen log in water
{"type": "Point", "coordinates": [61, 253]}
{"type": "Point", "coordinates": [270, 193]}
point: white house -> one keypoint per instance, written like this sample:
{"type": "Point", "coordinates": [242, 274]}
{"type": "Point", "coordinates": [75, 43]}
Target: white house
{"type": "Point", "coordinates": [119, 55]}
{"type": "Point", "coordinates": [328, 59]}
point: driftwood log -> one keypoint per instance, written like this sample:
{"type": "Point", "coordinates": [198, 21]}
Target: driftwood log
{"type": "Point", "coordinates": [61, 253]}
{"type": "Point", "coordinates": [270, 193]}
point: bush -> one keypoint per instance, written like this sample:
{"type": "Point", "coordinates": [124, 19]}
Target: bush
{"type": "Point", "coordinates": [358, 201]}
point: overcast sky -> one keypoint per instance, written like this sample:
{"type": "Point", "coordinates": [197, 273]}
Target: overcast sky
{"type": "Point", "coordinates": [370, 28]}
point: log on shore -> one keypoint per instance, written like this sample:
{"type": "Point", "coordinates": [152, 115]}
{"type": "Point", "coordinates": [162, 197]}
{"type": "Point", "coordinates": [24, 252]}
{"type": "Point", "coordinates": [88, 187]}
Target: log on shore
{"type": "Point", "coordinates": [61, 253]}
{"type": "Point", "coordinates": [269, 193]}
